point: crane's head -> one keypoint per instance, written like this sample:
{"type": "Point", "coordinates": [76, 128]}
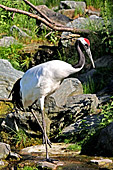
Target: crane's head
{"type": "Point", "coordinates": [86, 45]}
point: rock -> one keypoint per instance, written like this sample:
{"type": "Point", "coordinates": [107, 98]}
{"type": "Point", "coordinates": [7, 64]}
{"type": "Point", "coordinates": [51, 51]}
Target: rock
{"type": "Point", "coordinates": [101, 161]}
{"type": "Point", "coordinates": [51, 165]}
{"type": "Point", "coordinates": [76, 106]}
{"type": "Point", "coordinates": [87, 76]}
{"type": "Point", "coordinates": [54, 16]}
{"type": "Point", "coordinates": [68, 12]}
{"type": "Point", "coordinates": [20, 32]}
{"type": "Point", "coordinates": [107, 90]}
{"type": "Point", "coordinates": [104, 61]}
{"type": "Point", "coordinates": [57, 149]}
{"type": "Point", "coordinates": [90, 12]}
{"type": "Point", "coordinates": [105, 141]}
{"type": "Point", "coordinates": [7, 41]}
{"type": "Point", "coordinates": [73, 5]}
{"type": "Point", "coordinates": [101, 143]}
{"type": "Point", "coordinates": [4, 150]}
{"type": "Point", "coordinates": [86, 123]}
{"type": "Point", "coordinates": [69, 87]}
{"type": "Point", "coordinates": [81, 23]}
{"type": "Point", "coordinates": [8, 76]}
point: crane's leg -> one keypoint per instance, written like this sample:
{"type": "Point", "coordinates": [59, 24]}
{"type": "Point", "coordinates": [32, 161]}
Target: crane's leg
{"type": "Point", "coordinates": [48, 141]}
{"type": "Point", "coordinates": [44, 126]}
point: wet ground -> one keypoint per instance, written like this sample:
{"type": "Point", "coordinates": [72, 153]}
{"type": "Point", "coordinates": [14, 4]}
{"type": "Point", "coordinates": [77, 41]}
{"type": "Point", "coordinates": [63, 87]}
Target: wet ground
{"type": "Point", "coordinates": [64, 159]}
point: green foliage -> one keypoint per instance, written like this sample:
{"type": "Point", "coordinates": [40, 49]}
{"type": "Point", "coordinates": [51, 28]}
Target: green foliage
{"type": "Point", "coordinates": [107, 31]}
{"type": "Point", "coordinates": [27, 168]}
{"type": "Point", "coordinates": [89, 87]}
{"type": "Point", "coordinates": [11, 54]}
{"type": "Point", "coordinates": [20, 138]}
{"type": "Point", "coordinates": [74, 147]}
{"type": "Point", "coordinates": [107, 111]}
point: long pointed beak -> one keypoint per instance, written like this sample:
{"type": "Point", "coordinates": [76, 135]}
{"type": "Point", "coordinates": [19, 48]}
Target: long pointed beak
{"type": "Point", "coordinates": [88, 51]}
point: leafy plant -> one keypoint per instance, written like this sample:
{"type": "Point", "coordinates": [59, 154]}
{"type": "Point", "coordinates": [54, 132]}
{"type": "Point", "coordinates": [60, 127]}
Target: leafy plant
{"type": "Point", "coordinates": [107, 111]}
{"type": "Point", "coordinates": [107, 33]}
{"type": "Point", "coordinates": [89, 86]}
{"type": "Point", "coordinates": [28, 168]}
{"type": "Point", "coordinates": [74, 147]}
{"type": "Point", "coordinates": [11, 54]}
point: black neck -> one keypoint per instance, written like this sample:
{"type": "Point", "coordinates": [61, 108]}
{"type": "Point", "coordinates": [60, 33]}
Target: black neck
{"type": "Point", "coordinates": [81, 60]}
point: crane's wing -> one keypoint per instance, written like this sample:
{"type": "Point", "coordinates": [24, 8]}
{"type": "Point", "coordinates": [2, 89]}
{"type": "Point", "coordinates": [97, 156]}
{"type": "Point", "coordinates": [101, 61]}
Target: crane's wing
{"type": "Point", "coordinates": [30, 86]}
{"type": "Point", "coordinates": [43, 80]}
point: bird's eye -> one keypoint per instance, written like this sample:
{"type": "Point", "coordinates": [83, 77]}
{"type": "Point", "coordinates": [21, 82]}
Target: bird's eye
{"type": "Point", "coordinates": [86, 45]}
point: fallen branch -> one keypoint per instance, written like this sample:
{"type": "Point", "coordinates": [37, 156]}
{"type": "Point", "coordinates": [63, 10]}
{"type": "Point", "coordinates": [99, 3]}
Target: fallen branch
{"type": "Point", "coordinates": [42, 14]}
{"type": "Point", "coordinates": [44, 21]}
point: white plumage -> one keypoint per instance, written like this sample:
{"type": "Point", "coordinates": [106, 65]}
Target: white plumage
{"type": "Point", "coordinates": [43, 79]}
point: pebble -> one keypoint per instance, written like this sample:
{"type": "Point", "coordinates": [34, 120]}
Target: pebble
{"type": "Point", "coordinates": [101, 161]}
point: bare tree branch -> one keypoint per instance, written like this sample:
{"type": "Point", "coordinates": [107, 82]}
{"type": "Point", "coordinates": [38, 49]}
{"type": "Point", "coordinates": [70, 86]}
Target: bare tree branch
{"type": "Point", "coordinates": [42, 14]}
{"type": "Point", "coordinates": [44, 21]}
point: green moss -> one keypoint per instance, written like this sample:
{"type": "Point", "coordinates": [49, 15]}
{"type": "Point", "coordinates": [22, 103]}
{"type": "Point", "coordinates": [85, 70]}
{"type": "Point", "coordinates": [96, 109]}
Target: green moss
{"type": "Point", "coordinates": [5, 107]}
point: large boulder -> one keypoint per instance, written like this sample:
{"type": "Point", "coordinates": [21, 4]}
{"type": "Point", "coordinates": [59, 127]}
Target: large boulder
{"type": "Point", "coordinates": [70, 8]}
{"type": "Point", "coordinates": [4, 150]}
{"type": "Point", "coordinates": [101, 143]}
{"type": "Point", "coordinates": [85, 124]}
{"type": "Point", "coordinates": [54, 16]}
{"type": "Point", "coordinates": [75, 108]}
{"type": "Point", "coordinates": [73, 5]}
{"type": "Point", "coordinates": [8, 76]}
{"type": "Point", "coordinates": [105, 141]}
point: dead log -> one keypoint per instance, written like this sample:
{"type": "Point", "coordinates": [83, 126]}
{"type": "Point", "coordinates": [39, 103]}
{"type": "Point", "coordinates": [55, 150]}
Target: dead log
{"type": "Point", "coordinates": [44, 21]}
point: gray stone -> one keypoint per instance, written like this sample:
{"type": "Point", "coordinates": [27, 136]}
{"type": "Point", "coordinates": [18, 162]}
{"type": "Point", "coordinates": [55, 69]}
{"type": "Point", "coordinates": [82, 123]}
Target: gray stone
{"type": "Point", "coordinates": [81, 23]}
{"type": "Point", "coordinates": [86, 123]}
{"type": "Point", "coordinates": [104, 61]}
{"type": "Point", "coordinates": [76, 106]}
{"type": "Point", "coordinates": [4, 150]}
{"type": "Point", "coordinates": [105, 141]}
{"type": "Point", "coordinates": [54, 16]}
{"type": "Point", "coordinates": [20, 32]}
{"type": "Point", "coordinates": [68, 12]}
{"type": "Point", "coordinates": [87, 76]}
{"type": "Point", "coordinates": [8, 76]}
{"type": "Point", "coordinates": [101, 161]}
{"type": "Point", "coordinates": [73, 5]}
{"type": "Point", "coordinates": [101, 143]}
{"type": "Point", "coordinates": [7, 41]}
{"type": "Point", "coordinates": [69, 87]}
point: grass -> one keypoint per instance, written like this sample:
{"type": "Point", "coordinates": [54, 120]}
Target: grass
{"type": "Point", "coordinates": [74, 147]}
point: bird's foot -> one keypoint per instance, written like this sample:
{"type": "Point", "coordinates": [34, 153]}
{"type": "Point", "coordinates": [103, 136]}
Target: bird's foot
{"type": "Point", "coordinates": [54, 161]}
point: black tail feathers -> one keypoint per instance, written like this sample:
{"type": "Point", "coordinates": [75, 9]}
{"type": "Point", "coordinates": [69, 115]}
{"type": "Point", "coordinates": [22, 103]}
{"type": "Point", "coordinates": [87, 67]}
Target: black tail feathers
{"type": "Point", "coordinates": [16, 95]}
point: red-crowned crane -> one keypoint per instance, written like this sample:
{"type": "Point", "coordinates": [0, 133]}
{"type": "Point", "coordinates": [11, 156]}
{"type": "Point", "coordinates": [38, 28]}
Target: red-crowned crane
{"type": "Point", "coordinates": [43, 79]}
